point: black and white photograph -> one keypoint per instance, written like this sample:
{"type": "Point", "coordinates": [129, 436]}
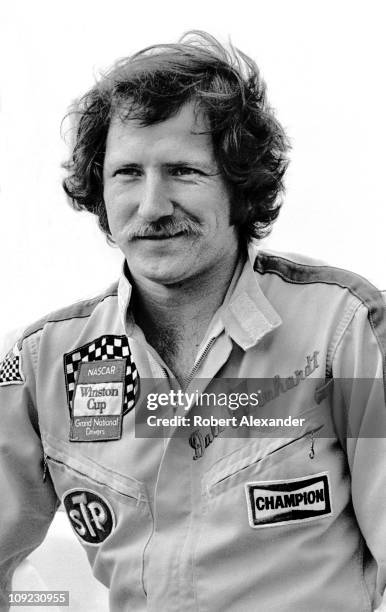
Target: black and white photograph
{"type": "Point", "coordinates": [193, 310]}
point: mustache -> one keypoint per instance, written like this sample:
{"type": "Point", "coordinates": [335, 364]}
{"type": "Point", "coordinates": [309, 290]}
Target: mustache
{"type": "Point", "coordinates": [165, 227]}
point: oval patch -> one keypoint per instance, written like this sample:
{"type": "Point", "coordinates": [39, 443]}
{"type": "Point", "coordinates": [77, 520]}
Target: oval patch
{"type": "Point", "coordinates": [91, 515]}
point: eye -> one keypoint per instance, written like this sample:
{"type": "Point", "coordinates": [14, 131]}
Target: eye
{"type": "Point", "coordinates": [181, 171]}
{"type": "Point", "coordinates": [128, 171]}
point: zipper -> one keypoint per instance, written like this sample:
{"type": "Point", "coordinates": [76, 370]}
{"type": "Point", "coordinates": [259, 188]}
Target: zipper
{"type": "Point", "coordinates": [45, 467]}
{"type": "Point", "coordinates": [199, 362]}
{"type": "Point", "coordinates": [103, 484]}
{"type": "Point", "coordinates": [311, 454]}
{"type": "Point", "coordinates": [306, 434]}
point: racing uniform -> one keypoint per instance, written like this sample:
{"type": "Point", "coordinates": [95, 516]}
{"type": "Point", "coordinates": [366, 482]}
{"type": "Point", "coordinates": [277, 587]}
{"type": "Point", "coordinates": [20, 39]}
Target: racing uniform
{"type": "Point", "coordinates": [195, 515]}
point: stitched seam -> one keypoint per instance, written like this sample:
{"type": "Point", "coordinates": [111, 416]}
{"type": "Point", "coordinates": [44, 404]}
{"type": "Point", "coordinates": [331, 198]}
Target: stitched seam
{"type": "Point", "coordinates": [375, 332]}
{"type": "Point", "coordinates": [63, 448]}
{"type": "Point", "coordinates": [363, 301]}
{"type": "Point", "coordinates": [35, 331]}
{"type": "Point", "coordinates": [65, 466]}
{"type": "Point", "coordinates": [312, 266]}
{"type": "Point", "coordinates": [315, 282]}
{"type": "Point", "coordinates": [345, 324]}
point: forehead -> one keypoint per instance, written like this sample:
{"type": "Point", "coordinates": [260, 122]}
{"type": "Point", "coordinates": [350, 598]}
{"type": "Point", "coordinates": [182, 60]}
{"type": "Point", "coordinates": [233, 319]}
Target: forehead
{"type": "Point", "coordinates": [183, 132]}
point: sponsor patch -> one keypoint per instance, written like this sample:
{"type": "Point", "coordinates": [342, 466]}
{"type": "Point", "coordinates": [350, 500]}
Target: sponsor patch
{"type": "Point", "coordinates": [279, 502]}
{"type": "Point", "coordinates": [97, 403]}
{"type": "Point", "coordinates": [10, 368]}
{"type": "Point", "coordinates": [102, 383]}
{"type": "Point", "coordinates": [90, 514]}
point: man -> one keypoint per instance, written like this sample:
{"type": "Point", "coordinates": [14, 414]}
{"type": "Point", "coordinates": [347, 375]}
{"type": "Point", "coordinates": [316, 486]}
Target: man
{"type": "Point", "coordinates": [272, 498]}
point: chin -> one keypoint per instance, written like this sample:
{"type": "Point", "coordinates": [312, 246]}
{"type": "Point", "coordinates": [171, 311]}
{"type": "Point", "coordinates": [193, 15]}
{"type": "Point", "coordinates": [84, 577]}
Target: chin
{"type": "Point", "coordinates": [166, 275]}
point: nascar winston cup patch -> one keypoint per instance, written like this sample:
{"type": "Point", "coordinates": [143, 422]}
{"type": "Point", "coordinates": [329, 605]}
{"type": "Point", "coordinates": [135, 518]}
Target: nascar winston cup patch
{"type": "Point", "coordinates": [282, 502]}
{"type": "Point", "coordinates": [10, 368]}
{"type": "Point", "coordinates": [102, 384]}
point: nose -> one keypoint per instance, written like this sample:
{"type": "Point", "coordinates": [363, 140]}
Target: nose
{"type": "Point", "coordinates": [154, 200]}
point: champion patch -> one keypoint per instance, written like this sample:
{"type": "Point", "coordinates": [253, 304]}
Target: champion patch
{"type": "Point", "coordinates": [91, 516]}
{"type": "Point", "coordinates": [10, 368]}
{"type": "Point", "coordinates": [102, 384]}
{"type": "Point", "coordinates": [280, 502]}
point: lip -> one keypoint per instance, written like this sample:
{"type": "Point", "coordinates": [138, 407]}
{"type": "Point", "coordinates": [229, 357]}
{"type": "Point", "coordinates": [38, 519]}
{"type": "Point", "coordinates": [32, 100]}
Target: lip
{"type": "Point", "coordinates": [161, 237]}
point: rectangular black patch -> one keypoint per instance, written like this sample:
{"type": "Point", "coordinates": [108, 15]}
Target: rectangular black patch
{"type": "Point", "coordinates": [279, 502]}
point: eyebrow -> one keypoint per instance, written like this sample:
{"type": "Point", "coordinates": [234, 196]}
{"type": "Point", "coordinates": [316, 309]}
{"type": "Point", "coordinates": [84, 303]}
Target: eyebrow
{"type": "Point", "coordinates": [211, 168]}
{"type": "Point", "coordinates": [192, 162]}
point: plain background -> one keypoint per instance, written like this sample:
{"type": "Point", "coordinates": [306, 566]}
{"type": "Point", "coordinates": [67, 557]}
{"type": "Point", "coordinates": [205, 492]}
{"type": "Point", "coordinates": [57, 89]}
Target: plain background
{"type": "Point", "coordinates": [324, 66]}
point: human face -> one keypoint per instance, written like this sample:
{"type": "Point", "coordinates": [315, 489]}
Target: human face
{"type": "Point", "coordinates": [167, 205]}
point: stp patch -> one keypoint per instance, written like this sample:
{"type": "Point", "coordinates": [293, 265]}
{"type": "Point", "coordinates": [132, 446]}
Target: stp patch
{"type": "Point", "coordinates": [283, 502]}
{"type": "Point", "coordinates": [90, 514]}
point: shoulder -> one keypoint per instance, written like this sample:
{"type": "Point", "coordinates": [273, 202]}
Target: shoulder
{"type": "Point", "coordinates": [79, 310]}
{"type": "Point", "coordinates": [302, 270]}
{"type": "Point", "coordinates": [297, 281]}
{"type": "Point", "coordinates": [61, 330]}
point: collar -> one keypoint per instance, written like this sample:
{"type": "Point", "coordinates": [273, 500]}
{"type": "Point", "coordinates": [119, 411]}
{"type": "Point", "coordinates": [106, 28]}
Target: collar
{"type": "Point", "coordinates": [124, 296]}
{"type": "Point", "coordinates": [246, 314]}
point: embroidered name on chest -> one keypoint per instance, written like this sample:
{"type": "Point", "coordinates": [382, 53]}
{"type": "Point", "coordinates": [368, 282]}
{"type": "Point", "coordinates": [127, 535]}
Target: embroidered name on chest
{"type": "Point", "coordinates": [280, 502]}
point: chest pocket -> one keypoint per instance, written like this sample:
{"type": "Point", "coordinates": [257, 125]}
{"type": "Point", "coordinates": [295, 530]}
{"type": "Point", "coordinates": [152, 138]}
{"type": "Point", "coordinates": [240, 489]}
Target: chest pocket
{"type": "Point", "coordinates": [110, 515]}
{"type": "Point", "coordinates": [270, 488]}
{"type": "Point", "coordinates": [279, 482]}
{"type": "Point", "coordinates": [273, 457]}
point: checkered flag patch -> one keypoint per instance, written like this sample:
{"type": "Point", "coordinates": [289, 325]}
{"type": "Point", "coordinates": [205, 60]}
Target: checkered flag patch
{"type": "Point", "coordinates": [10, 369]}
{"type": "Point", "coordinates": [104, 347]}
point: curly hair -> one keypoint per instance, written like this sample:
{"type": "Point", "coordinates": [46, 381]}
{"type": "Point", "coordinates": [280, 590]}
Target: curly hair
{"type": "Point", "coordinates": [250, 146]}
